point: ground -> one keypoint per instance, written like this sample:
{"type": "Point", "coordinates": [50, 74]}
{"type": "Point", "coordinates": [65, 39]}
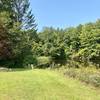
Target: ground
{"type": "Point", "coordinates": [43, 85]}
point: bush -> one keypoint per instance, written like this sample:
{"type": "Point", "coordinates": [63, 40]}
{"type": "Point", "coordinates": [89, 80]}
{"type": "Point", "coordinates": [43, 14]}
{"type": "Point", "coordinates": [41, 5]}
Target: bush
{"type": "Point", "coordinates": [43, 62]}
{"type": "Point", "coordinates": [58, 55]}
{"type": "Point", "coordinates": [30, 59]}
{"type": "Point", "coordinates": [89, 76]}
{"type": "Point", "coordinates": [71, 73]}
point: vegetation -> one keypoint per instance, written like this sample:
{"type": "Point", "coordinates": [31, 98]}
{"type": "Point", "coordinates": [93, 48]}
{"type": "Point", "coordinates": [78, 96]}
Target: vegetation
{"type": "Point", "coordinates": [43, 85]}
{"type": "Point", "coordinates": [17, 32]}
{"type": "Point", "coordinates": [87, 75]}
{"type": "Point", "coordinates": [21, 45]}
{"type": "Point", "coordinates": [80, 44]}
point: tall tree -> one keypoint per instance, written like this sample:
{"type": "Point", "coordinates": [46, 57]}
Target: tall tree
{"type": "Point", "coordinates": [20, 12]}
{"type": "Point", "coordinates": [21, 28]}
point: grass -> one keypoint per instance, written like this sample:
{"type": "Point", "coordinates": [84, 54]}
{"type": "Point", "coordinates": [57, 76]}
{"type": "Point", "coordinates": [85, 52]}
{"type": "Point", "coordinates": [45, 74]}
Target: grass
{"type": "Point", "coordinates": [87, 75]}
{"type": "Point", "coordinates": [43, 85]}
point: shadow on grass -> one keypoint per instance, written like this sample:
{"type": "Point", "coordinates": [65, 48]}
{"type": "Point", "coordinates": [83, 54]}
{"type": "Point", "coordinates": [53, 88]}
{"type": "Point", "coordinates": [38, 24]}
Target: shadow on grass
{"type": "Point", "coordinates": [14, 69]}
{"type": "Point", "coordinates": [19, 69]}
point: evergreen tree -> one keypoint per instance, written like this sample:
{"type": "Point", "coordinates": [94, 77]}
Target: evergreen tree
{"type": "Point", "coordinates": [21, 28]}
{"type": "Point", "coordinates": [20, 12]}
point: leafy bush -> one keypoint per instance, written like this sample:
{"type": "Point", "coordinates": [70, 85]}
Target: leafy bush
{"type": "Point", "coordinates": [30, 59]}
{"type": "Point", "coordinates": [59, 55]}
{"type": "Point", "coordinates": [43, 62]}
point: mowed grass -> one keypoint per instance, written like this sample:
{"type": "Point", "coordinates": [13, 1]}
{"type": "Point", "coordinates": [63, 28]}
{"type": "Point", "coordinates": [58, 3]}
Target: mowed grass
{"type": "Point", "coordinates": [43, 85]}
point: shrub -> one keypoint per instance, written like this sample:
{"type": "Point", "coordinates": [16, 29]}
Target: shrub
{"type": "Point", "coordinates": [43, 62]}
{"type": "Point", "coordinates": [30, 59]}
{"type": "Point", "coordinates": [58, 55]}
{"type": "Point", "coordinates": [71, 73]}
{"type": "Point", "coordinates": [87, 75]}
{"type": "Point", "coordinates": [95, 80]}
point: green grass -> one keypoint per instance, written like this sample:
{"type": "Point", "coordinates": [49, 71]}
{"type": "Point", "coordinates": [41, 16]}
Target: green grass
{"type": "Point", "coordinates": [43, 85]}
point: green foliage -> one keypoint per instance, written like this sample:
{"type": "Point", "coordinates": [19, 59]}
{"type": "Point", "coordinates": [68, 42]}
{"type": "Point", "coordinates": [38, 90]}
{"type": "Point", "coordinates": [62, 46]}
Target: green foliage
{"type": "Point", "coordinates": [19, 39]}
{"type": "Point", "coordinates": [79, 43]}
{"type": "Point", "coordinates": [87, 75]}
{"type": "Point", "coordinates": [19, 12]}
{"type": "Point", "coordinates": [43, 62]}
{"type": "Point", "coordinates": [5, 43]}
{"type": "Point", "coordinates": [52, 44]}
{"type": "Point", "coordinates": [29, 60]}
{"type": "Point", "coordinates": [17, 32]}
{"type": "Point", "coordinates": [58, 55]}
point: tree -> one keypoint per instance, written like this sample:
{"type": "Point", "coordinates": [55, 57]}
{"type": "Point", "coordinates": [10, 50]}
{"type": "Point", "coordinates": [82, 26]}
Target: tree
{"type": "Point", "coordinates": [19, 12]}
{"type": "Point", "coordinates": [21, 28]}
{"type": "Point", "coordinates": [5, 42]}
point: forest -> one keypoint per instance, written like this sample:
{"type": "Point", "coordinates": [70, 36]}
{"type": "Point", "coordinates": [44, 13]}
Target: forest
{"type": "Point", "coordinates": [22, 45]}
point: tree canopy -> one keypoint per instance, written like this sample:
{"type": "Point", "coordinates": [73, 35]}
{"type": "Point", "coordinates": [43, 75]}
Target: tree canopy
{"type": "Point", "coordinates": [17, 31]}
{"type": "Point", "coordinates": [21, 44]}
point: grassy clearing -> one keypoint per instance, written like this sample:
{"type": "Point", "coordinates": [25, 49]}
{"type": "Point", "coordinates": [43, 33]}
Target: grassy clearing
{"type": "Point", "coordinates": [43, 85]}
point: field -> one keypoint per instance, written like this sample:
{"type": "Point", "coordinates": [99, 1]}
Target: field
{"type": "Point", "coordinates": [43, 85]}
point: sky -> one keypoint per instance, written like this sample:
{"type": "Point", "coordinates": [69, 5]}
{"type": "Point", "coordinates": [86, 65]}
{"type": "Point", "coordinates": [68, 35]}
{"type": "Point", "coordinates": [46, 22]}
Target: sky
{"type": "Point", "coordinates": [64, 13]}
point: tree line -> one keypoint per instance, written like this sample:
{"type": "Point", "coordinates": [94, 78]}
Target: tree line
{"type": "Point", "coordinates": [80, 44]}
{"type": "Point", "coordinates": [21, 44]}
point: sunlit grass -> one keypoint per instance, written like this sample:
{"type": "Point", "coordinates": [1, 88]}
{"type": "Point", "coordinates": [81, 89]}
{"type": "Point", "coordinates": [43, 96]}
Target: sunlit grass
{"type": "Point", "coordinates": [43, 85]}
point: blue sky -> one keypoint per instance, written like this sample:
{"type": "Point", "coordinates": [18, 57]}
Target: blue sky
{"type": "Point", "coordinates": [64, 13]}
